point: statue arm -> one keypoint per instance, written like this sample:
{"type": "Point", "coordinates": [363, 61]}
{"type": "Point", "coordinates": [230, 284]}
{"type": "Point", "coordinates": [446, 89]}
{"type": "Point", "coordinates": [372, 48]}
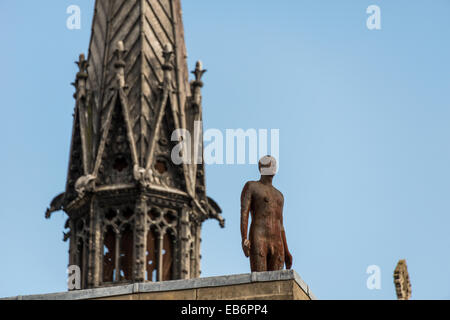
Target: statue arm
{"type": "Point", "coordinates": [246, 198]}
{"type": "Point", "coordinates": [287, 254]}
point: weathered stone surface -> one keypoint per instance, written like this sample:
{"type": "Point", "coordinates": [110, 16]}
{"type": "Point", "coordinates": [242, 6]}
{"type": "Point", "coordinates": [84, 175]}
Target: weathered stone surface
{"type": "Point", "coordinates": [401, 281]}
{"type": "Point", "coordinates": [170, 295]}
{"type": "Point", "coordinates": [255, 290]}
{"type": "Point", "coordinates": [300, 294]}
{"type": "Point", "coordinates": [132, 92]}
{"type": "Point", "coordinates": [283, 285]}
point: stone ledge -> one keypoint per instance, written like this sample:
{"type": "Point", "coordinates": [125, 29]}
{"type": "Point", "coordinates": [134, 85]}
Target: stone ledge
{"type": "Point", "coordinates": [140, 289]}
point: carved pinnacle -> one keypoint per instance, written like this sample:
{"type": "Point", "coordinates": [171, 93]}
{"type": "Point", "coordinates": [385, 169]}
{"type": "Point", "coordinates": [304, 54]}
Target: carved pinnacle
{"type": "Point", "coordinates": [198, 73]}
{"type": "Point", "coordinates": [167, 65]}
{"type": "Point", "coordinates": [167, 55]}
{"type": "Point", "coordinates": [120, 64]}
{"type": "Point", "coordinates": [197, 84]}
{"type": "Point", "coordinates": [82, 75]}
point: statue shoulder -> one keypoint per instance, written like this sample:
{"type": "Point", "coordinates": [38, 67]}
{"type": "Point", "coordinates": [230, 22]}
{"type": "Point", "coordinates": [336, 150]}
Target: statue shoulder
{"type": "Point", "coordinates": [247, 191]}
{"type": "Point", "coordinates": [279, 193]}
{"type": "Point", "coordinates": [249, 186]}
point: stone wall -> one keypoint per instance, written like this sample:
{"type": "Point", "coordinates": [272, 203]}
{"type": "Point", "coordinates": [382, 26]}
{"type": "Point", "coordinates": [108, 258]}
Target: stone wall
{"type": "Point", "coordinates": [277, 285]}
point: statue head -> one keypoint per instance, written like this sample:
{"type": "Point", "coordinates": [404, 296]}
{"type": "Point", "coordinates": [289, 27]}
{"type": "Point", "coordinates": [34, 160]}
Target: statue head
{"type": "Point", "coordinates": [267, 166]}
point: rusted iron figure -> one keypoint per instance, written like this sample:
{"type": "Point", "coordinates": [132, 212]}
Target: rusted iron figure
{"type": "Point", "coordinates": [267, 245]}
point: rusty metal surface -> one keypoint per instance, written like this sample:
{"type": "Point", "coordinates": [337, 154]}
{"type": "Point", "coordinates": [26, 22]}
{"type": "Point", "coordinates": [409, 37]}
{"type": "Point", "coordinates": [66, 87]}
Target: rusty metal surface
{"type": "Point", "coordinates": [266, 245]}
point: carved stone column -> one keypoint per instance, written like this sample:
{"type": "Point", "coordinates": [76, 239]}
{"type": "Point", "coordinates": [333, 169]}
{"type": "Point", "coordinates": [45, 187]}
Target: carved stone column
{"type": "Point", "coordinates": [94, 247]}
{"type": "Point", "coordinates": [185, 268]}
{"type": "Point", "coordinates": [197, 244]}
{"type": "Point", "coordinates": [140, 239]}
{"type": "Point", "coordinates": [97, 239]}
{"type": "Point", "coordinates": [72, 244]}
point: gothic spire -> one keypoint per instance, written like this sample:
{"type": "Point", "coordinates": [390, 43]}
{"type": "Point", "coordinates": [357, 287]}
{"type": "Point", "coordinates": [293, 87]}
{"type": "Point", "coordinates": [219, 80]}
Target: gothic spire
{"type": "Point", "coordinates": [145, 28]}
{"type": "Point", "coordinates": [128, 203]}
{"type": "Point", "coordinates": [137, 52]}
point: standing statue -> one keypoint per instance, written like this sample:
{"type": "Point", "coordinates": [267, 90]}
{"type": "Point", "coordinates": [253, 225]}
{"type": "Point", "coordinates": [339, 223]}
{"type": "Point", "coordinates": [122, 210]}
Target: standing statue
{"type": "Point", "coordinates": [267, 245]}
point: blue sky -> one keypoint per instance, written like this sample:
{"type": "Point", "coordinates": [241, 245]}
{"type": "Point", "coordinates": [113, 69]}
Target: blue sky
{"type": "Point", "coordinates": [364, 135]}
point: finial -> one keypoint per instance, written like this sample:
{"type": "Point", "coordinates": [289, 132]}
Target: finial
{"type": "Point", "coordinates": [167, 65]}
{"type": "Point", "coordinates": [82, 75]}
{"type": "Point", "coordinates": [120, 46]}
{"type": "Point", "coordinates": [82, 63]}
{"type": "Point", "coordinates": [197, 84]}
{"type": "Point", "coordinates": [198, 73]}
{"type": "Point", "coordinates": [167, 55]}
{"type": "Point", "coordinates": [120, 64]}
{"type": "Point", "coordinates": [401, 281]}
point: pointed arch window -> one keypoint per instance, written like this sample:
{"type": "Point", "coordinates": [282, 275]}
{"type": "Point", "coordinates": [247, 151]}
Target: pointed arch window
{"type": "Point", "coordinates": [126, 254]}
{"type": "Point", "coordinates": [160, 245]}
{"type": "Point", "coordinates": [167, 257]}
{"type": "Point", "coordinates": [151, 264]}
{"type": "Point", "coordinates": [109, 255]}
{"type": "Point", "coordinates": [118, 246]}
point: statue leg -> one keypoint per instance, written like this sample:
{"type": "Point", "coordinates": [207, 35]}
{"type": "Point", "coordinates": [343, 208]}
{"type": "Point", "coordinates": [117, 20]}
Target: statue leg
{"type": "Point", "coordinates": [258, 257]}
{"type": "Point", "coordinates": [276, 259]}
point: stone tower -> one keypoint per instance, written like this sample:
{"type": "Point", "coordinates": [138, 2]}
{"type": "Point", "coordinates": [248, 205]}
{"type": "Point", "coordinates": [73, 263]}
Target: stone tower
{"type": "Point", "coordinates": [401, 281]}
{"type": "Point", "coordinates": [134, 214]}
